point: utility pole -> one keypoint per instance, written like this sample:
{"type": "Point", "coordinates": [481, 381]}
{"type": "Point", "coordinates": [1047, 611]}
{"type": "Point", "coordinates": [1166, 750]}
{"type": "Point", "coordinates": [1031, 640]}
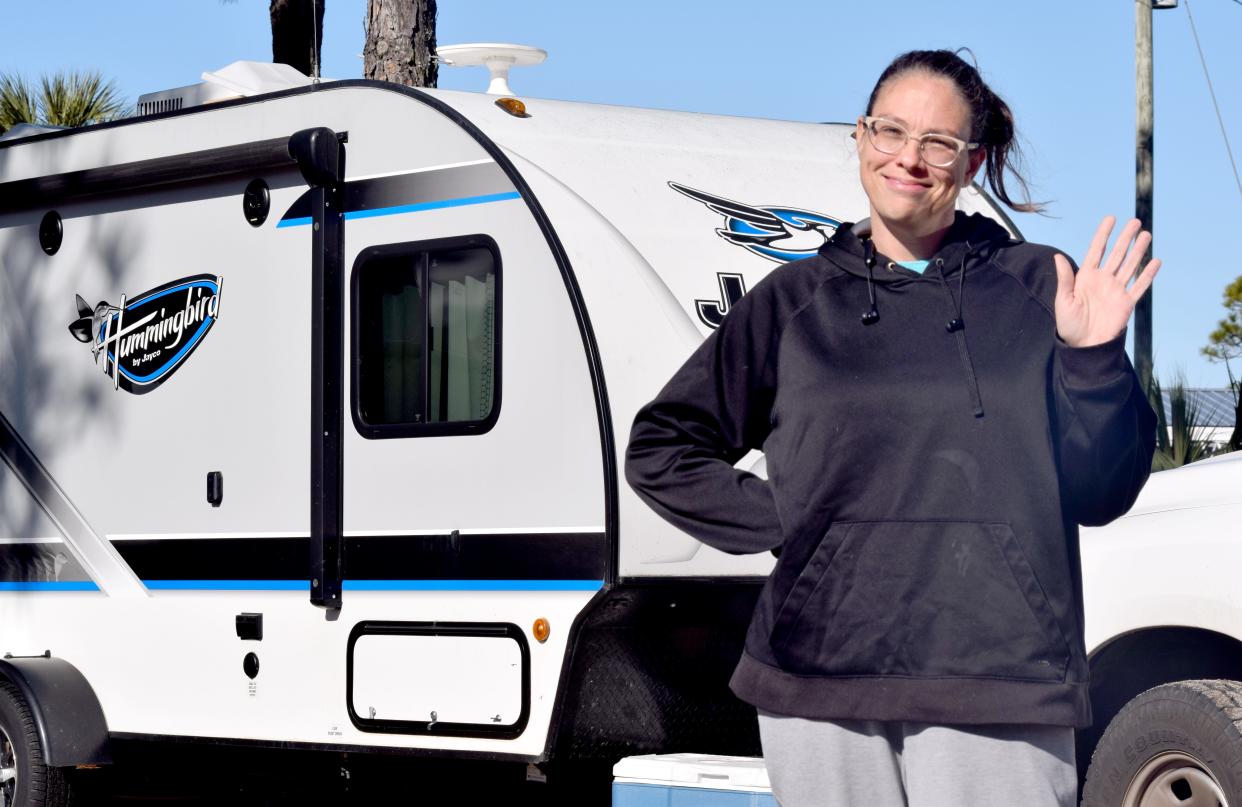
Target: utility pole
{"type": "Point", "coordinates": [1143, 171]}
{"type": "Point", "coordinates": [1143, 180]}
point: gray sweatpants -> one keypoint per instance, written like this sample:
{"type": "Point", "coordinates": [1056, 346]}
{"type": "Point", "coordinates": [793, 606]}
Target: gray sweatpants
{"type": "Point", "coordinates": [868, 763]}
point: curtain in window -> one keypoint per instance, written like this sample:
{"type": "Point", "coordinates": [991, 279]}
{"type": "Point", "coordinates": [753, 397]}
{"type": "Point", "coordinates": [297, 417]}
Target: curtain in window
{"type": "Point", "coordinates": [463, 342]}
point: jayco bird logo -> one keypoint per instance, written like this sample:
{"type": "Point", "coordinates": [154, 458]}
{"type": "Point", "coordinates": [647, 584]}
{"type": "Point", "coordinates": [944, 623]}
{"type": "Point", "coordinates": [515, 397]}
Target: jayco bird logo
{"type": "Point", "coordinates": [777, 233]}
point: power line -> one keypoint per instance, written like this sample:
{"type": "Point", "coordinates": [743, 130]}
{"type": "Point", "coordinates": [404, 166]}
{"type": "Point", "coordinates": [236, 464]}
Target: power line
{"type": "Point", "coordinates": [1212, 93]}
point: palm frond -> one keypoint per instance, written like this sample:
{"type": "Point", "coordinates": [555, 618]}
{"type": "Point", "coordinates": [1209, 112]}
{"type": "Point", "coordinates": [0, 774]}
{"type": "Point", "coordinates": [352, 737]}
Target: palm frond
{"type": "Point", "coordinates": [1181, 438]}
{"type": "Point", "coordinates": [78, 98]}
{"type": "Point", "coordinates": [18, 102]}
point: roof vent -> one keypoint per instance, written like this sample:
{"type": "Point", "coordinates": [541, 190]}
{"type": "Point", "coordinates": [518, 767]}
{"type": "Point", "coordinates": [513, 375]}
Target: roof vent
{"type": "Point", "coordinates": [496, 57]}
{"type": "Point", "coordinates": [238, 80]}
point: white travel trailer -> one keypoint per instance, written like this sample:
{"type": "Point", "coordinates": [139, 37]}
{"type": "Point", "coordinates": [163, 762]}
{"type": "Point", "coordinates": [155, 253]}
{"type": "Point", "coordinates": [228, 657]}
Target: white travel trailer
{"type": "Point", "coordinates": [312, 411]}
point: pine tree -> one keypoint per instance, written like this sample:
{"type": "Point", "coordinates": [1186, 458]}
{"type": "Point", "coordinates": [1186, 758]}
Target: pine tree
{"type": "Point", "coordinates": [1225, 343]}
{"type": "Point", "coordinates": [401, 42]}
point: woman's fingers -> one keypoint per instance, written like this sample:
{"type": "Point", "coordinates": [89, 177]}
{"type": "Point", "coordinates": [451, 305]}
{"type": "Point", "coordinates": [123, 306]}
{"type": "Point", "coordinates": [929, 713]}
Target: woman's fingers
{"type": "Point", "coordinates": [1095, 252]}
{"type": "Point", "coordinates": [1129, 267]}
{"type": "Point", "coordinates": [1143, 283]}
{"type": "Point", "coordinates": [1125, 240]}
{"type": "Point", "coordinates": [1065, 276]}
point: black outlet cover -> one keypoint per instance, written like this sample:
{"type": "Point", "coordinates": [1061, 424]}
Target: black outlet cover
{"type": "Point", "coordinates": [256, 202]}
{"type": "Point", "coordinates": [51, 232]}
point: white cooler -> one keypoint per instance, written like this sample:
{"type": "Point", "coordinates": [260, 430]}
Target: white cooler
{"type": "Point", "coordinates": [691, 780]}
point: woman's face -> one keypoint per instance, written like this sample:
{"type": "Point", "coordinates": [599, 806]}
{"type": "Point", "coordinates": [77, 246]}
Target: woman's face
{"type": "Point", "coordinates": [905, 192]}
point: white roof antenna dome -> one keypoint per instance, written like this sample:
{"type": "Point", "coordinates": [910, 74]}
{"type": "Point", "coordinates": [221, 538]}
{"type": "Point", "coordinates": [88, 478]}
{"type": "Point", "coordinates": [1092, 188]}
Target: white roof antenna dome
{"type": "Point", "coordinates": [498, 58]}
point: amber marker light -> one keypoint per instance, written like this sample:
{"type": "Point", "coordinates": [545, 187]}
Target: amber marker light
{"type": "Point", "coordinates": [513, 106]}
{"type": "Point", "coordinates": [541, 629]}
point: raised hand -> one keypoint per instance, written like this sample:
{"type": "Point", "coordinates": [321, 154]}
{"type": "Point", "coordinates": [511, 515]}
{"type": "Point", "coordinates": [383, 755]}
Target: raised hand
{"type": "Point", "coordinates": [1094, 306]}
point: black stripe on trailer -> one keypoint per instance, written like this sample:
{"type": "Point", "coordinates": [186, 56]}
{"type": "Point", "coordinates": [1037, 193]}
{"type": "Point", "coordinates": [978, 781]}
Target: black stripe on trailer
{"type": "Point", "coordinates": [373, 195]}
{"type": "Point", "coordinates": [448, 556]}
{"type": "Point", "coordinates": [139, 738]}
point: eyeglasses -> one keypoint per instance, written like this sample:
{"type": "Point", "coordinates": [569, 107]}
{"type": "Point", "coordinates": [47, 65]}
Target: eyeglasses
{"type": "Point", "coordinates": [937, 149]}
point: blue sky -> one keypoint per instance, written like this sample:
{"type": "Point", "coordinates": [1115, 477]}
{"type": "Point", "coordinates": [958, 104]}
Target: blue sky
{"type": "Point", "coordinates": [1065, 66]}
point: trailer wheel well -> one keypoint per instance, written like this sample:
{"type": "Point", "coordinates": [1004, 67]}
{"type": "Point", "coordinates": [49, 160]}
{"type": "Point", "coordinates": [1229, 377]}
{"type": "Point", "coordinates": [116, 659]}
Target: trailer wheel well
{"type": "Point", "coordinates": [63, 708]}
{"type": "Point", "coordinates": [1135, 662]}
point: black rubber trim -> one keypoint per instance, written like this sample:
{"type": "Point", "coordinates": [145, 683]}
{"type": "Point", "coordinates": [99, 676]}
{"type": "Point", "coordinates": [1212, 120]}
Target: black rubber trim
{"type": "Point", "coordinates": [66, 712]}
{"type": "Point", "coordinates": [449, 556]}
{"type": "Point", "coordinates": [382, 431]}
{"type": "Point", "coordinates": [288, 745]}
{"type": "Point", "coordinates": [142, 175]}
{"type": "Point", "coordinates": [490, 630]}
{"type": "Point", "coordinates": [589, 613]}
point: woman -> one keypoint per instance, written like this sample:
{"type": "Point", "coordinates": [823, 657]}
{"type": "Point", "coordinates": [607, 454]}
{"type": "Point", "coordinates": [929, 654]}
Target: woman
{"type": "Point", "coordinates": [940, 407]}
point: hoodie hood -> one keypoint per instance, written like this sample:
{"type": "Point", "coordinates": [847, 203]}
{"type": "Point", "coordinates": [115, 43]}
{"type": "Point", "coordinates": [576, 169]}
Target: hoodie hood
{"type": "Point", "coordinates": [970, 234]}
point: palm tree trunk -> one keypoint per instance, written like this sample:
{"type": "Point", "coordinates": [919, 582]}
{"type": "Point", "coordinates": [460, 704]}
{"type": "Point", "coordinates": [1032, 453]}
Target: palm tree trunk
{"type": "Point", "coordinates": [297, 33]}
{"type": "Point", "coordinates": [401, 41]}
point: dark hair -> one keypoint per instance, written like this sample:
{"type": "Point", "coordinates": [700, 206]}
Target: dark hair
{"type": "Point", "coordinates": [991, 122]}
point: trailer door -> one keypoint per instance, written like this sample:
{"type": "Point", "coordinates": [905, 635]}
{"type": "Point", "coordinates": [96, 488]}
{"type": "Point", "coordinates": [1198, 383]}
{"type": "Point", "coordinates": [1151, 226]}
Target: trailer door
{"type": "Point", "coordinates": [472, 456]}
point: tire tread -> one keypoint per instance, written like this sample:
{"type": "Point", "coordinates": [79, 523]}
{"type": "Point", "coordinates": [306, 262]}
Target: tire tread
{"type": "Point", "coordinates": [47, 786]}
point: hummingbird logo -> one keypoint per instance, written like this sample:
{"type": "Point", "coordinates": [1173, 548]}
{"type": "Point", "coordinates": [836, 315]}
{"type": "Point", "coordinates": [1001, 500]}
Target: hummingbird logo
{"type": "Point", "coordinates": [143, 340]}
{"type": "Point", "coordinates": [779, 234]}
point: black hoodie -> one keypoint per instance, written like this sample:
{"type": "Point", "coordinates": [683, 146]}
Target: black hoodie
{"type": "Point", "coordinates": [927, 472]}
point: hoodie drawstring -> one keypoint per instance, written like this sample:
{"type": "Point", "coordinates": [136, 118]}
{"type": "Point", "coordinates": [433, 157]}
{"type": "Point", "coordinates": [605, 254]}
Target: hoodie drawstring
{"type": "Point", "coordinates": [873, 315]}
{"type": "Point", "coordinates": [957, 327]}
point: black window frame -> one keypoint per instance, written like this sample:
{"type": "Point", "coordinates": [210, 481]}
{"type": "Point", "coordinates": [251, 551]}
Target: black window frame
{"type": "Point", "coordinates": [384, 431]}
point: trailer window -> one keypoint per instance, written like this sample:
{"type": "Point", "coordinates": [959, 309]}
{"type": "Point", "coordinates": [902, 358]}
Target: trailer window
{"type": "Point", "coordinates": [426, 355]}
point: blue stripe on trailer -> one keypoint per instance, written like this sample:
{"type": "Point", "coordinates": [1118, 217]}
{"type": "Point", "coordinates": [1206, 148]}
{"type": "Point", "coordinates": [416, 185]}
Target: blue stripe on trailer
{"type": "Point", "coordinates": [415, 208]}
{"type": "Point", "coordinates": [48, 585]}
{"type": "Point", "coordinates": [294, 222]}
{"type": "Point", "coordinates": [377, 585]}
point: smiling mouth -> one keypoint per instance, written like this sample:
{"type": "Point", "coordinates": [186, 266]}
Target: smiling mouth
{"type": "Point", "coordinates": [905, 184]}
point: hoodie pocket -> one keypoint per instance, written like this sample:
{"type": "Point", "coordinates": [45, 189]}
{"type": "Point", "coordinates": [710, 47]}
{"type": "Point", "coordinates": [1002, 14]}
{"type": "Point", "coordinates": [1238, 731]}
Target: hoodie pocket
{"type": "Point", "coordinates": [950, 598]}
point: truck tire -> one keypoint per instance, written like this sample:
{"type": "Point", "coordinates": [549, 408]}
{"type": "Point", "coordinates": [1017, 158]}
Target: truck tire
{"type": "Point", "coordinates": [1178, 744]}
{"type": "Point", "coordinates": [24, 780]}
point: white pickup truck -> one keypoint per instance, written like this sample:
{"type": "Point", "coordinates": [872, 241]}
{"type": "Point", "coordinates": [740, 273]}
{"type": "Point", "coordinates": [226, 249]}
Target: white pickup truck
{"type": "Point", "coordinates": [1164, 631]}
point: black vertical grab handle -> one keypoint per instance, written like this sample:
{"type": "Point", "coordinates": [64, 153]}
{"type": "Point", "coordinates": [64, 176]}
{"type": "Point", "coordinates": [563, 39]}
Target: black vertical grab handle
{"type": "Point", "coordinates": [320, 156]}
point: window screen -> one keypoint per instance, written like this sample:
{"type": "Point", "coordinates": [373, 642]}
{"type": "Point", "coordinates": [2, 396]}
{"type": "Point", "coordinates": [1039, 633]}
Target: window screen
{"type": "Point", "coordinates": [426, 338]}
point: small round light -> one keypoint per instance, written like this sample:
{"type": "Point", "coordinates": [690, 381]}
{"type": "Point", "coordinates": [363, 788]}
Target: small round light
{"type": "Point", "coordinates": [513, 106]}
{"type": "Point", "coordinates": [541, 629]}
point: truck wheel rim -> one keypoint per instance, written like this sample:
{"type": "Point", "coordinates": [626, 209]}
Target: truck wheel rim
{"type": "Point", "coordinates": [8, 770]}
{"type": "Point", "coordinates": [1174, 779]}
